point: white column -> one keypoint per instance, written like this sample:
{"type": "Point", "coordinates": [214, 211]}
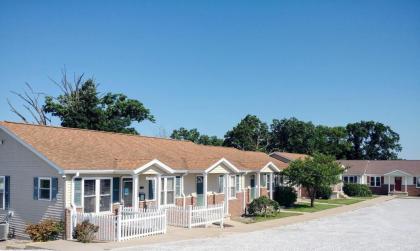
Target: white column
{"type": "Point", "coordinates": [226, 188]}
{"type": "Point", "coordinates": [205, 189]}
{"type": "Point", "coordinates": [158, 189]}
{"type": "Point", "coordinates": [394, 184]}
{"type": "Point", "coordinates": [258, 185]}
{"type": "Point", "coordinates": [271, 185]}
{"type": "Point", "coordinates": [135, 192]}
{"type": "Point", "coordinates": [389, 184]}
{"type": "Point", "coordinates": [405, 180]}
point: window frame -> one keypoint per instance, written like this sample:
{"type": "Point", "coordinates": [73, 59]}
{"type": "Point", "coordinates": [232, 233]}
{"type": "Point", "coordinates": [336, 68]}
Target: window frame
{"type": "Point", "coordinates": [221, 185]}
{"type": "Point", "coordinates": [4, 192]}
{"type": "Point", "coordinates": [97, 195]}
{"type": "Point", "coordinates": [375, 181]}
{"type": "Point", "coordinates": [347, 179]}
{"type": "Point", "coordinates": [232, 186]}
{"type": "Point", "coordinates": [165, 190]}
{"type": "Point", "coordinates": [263, 178]}
{"type": "Point", "coordinates": [39, 188]}
{"type": "Point", "coordinates": [154, 183]}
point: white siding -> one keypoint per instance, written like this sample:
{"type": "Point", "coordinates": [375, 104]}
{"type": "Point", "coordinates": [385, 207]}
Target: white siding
{"type": "Point", "coordinates": [22, 166]}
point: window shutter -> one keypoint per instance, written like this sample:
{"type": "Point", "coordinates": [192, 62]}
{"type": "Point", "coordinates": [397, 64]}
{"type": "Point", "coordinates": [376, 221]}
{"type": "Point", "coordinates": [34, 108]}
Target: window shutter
{"type": "Point", "coordinates": [7, 192]}
{"type": "Point", "coordinates": [115, 189]}
{"type": "Point", "coordinates": [382, 180]}
{"type": "Point", "coordinates": [77, 192]}
{"type": "Point", "coordinates": [54, 187]}
{"type": "Point", "coordinates": [35, 188]}
{"type": "Point", "coordinates": [415, 181]}
{"type": "Point", "coordinates": [368, 180]}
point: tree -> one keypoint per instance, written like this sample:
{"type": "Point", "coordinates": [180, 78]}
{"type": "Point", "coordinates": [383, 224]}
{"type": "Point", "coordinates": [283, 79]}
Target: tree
{"type": "Point", "coordinates": [32, 105]}
{"type": "Point", "coordinates": [292, 135]}
{"type": "Point", "coordinates": [194, 136]}
{"type": "Point", "coordinates": [250, 134]}
{"type": "Point", "coordinates": [81, 106]}
{"type": "Point", "coordinates": [331, 141]}
{"type": "Point", "coordinates": [313, 173]}
{"type": "Point", "coordinates": [372, 140]}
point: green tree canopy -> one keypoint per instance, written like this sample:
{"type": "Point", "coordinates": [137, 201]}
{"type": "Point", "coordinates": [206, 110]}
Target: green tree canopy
{"type": "Point", "coordinates": [292, 135]}
{"type": "Point", "coordinates": [81, 106]}
{"type": "Point", "coordinates": [331, 141]}
{"type": "Point", "coordinates": [195, 136]}
{"type": "Point", "coordinates": [372, 140]}
{"type": "Point", "coordinates": [250, 134]}
{"type": "Point", "coordinates": [313, 173]}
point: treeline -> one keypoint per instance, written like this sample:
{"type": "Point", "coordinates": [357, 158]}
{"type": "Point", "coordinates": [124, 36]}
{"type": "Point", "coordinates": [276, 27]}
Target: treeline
{"type": "Point", "coordinates": [367, 140]}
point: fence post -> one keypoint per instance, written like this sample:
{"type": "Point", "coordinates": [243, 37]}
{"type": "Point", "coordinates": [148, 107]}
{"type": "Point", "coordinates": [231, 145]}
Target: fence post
{"type": "Point", "coordinates": [189, 216]}
{"type": "Point", "coordinates": [164, 221]}
{"type": "Point", "coordinates": [222, 215]}
{"type": "Point", "coordinates": [119, 228]}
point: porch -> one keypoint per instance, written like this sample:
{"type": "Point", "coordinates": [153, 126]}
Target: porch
{"type": "Point", "coordinates": [397, 182]}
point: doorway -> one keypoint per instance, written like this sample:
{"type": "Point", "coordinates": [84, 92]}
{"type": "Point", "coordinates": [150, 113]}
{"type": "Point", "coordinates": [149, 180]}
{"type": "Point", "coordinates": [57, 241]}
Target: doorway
{"type": "Point", "coordinates": [398, 182]}
{"type": "Point", "coordinates": [200, 190]}
{"type": "Point", "coordinates": [127, 190]}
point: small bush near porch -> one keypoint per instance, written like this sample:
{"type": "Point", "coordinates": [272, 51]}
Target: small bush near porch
{"type": "Point", "coordinates": [359, 190]}
{"type": "Point", "coordinates": [263, 206]}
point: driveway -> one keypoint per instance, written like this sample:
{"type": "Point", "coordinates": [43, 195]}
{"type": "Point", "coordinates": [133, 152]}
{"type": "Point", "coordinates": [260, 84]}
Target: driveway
{"type": "Point", "coordinates": [394, 224]}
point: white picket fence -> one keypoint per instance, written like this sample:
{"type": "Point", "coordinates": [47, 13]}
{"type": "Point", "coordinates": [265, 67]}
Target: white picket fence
{"type": "Point", "coordinates": [107, 224]}
{"type": "Point", "coordinates": [193, 216]}
{"type": "Point", "coordinates": [128, 224]}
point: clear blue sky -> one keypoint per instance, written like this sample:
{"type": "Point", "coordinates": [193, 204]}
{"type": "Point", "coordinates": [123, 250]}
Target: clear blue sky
{"type": "Point", "coordinates": [206, 64]}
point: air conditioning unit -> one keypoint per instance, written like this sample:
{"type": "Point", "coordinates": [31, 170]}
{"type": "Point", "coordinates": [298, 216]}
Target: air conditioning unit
{"type": "Point", "coordinates": [4, 231]}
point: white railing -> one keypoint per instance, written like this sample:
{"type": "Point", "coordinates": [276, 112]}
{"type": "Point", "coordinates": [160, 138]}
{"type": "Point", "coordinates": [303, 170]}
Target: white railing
{"type": "Point", "coordinates": [128, 224]}
{"type": "Point", "coordinates": [140, 224]}
{"type": "Point", "coordinates": [105, 222]}
{"type": "Point", "coordinates": [193, 216]}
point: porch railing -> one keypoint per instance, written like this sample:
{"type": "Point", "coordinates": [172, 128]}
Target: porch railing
{"type": "Point", "coordinates": [193, 216]}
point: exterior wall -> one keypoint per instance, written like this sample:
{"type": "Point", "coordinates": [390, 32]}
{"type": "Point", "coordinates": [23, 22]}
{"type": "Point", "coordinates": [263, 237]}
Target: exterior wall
{"type": "Point", "coordinates": [236, 205]}
{"type": "Point", "coordinates": [22, 166]}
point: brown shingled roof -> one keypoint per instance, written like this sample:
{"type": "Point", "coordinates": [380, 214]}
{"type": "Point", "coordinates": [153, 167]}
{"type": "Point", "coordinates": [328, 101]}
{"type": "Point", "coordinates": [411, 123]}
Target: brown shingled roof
{"type": "Point", "coordinates": [290, 156]}
{"type": "Point", "coordinates": [381, 167]}
{"type": "Point", "coordinates": [79, 149]}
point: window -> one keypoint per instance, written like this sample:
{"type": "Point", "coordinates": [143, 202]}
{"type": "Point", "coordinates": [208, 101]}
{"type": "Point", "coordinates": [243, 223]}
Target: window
{"type": "Point", "coordinates": [350, 179]}
{"type": "Point", "coordinates": [221, 184]}
{"type": "Point", "coordinates": [2, 192]}
{"type": "Point", "coordinates": [97, 195]}
{"type": "Point", "coordinates": [375, 181]}
{"type": "Point", "coordinates": [105, 195]}
{"type": "Point", "coordinates": [167, 191]}
{"type": "Point", "coordinates": [232, 186]}
{"type": "Point", "coordinates": [44, 189]}
{"type": "Point", "coordinates": [77, 193]}
{"type": "Point", "coordinates": [89, 196]}
{"type": "Point", "coordinates": [418, 182]}
{"type": "Point", "coordinates": [151, 185]}
{"type": "Point", "coordinates": [263, 180]}
{"type": "Point", "coordinates": [238, 183]}
{"type": "Point", "coordinates": [178, 186]}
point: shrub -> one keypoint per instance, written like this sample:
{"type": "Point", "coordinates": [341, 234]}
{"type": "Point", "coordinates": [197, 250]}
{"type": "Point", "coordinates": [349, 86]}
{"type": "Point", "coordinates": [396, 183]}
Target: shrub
{"type": "Point", "coordinates": [45, 231]}
{"type": "Point", "coordinates": [324, 193]}
{"type": "Point", "coordinates": [285, 196]}
{"type": "Point", "coordinates": [85, 232]}
{"type": "Point", "coordinates": [359, 190]}
{"type": "Point", "coordinates": [263, 206]}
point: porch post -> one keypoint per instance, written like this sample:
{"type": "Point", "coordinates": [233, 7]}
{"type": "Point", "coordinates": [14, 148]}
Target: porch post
{"type": "Point", "coordinates": [405, 181]}
{"type": "Point", "coordinates": [158, 189]}
{"type": "Point", "coordinates": [226, 178]}
{"type": "Point", "coordinates": [271, 186]}
{"type": "Point", "coordinates": [258, 185]}
{"type": "Point", "coordinates": [389, 184]}
{"type": "Point", "coordinates": [135, 192]}
{"type": "Point", "coordinates": [205, 189]}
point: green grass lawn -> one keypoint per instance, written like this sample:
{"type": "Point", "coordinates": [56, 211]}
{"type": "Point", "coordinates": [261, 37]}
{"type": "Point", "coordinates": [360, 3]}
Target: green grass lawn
{"type": "Point", "coordinates": [306, 207]}
{"type": "Point", "coordinates": [341, 201]}
{"type": "Point", "coordinates": [254, 219]}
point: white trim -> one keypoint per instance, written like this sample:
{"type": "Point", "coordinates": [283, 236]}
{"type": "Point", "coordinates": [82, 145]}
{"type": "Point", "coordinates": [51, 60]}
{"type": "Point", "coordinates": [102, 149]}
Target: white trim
{"type": "Point", "coordinates": [273, 167]}
{"type": "Point", "coordinates": [157, 163]}
{"type": "Point", "coordinates": [103, 171]}
{"type": "Point", "coordinates": [97, 193]}
{"type": "Point", "coordinates": [154, 183]}
{"type": "Point", "coordinates": [4, 192]}
{"type": "Point", "coordinates": [39, 188]}
{"type": "Point", "coordinates": [33, 150]}
{"type": "Point", "coordinates": [165, 190]}
{"type": "Point", "coordinates": [380, 181]}
{"type": "Point", "coordinates": [396, 171]}
{"type": "Point", "coordinates": [230, 186]}
{"type": "Point", "coordinates": [224, 161]}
